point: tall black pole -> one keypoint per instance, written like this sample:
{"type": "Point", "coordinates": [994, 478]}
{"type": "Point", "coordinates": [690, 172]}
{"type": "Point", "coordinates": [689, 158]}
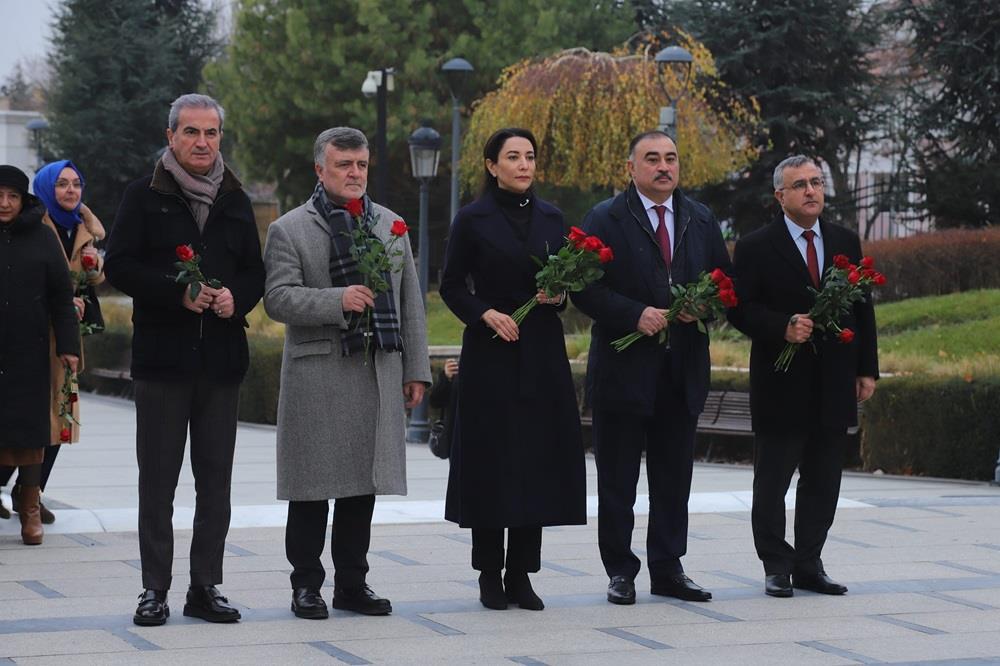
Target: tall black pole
{"type": "Point", "coordinates": [419, 428]}
{"type": "Point", "coordinates": [456, 134]}
{"type": "Point", "coordinates": [381, 191]}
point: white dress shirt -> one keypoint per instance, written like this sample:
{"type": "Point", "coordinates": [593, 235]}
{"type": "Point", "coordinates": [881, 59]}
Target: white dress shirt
{"type": "Point", "coordinates": [800, 241]}
{"type": "Point", "coordinates": [654, 219]}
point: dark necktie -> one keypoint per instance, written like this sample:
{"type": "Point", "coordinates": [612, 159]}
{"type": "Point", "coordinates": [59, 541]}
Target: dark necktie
{"type": "Point", "coordinates": [811, 261]}
{"type": "Point", "coordinates": [663, 236]}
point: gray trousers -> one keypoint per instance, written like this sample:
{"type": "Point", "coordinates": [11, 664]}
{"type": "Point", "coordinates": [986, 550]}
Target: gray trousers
{"type": "Point", "coordinates": [164, 413]}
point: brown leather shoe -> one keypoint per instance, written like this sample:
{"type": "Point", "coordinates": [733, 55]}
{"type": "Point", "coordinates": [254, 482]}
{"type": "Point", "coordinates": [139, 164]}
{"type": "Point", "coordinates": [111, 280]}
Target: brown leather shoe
{"type": "Point", "coordinates": [47, 516]}
{"type": "Point", "coordinates": [30, 515]}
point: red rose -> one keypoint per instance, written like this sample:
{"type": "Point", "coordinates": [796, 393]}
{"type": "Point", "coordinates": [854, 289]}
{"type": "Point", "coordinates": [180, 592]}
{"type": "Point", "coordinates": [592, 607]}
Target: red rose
{"type": "Point", "coordinates": [73, 397]}
{"type": "Point", "coordinates": [846, 336]}
{"type": "Point", "coordinates": [851, 268]}
{"type": "Point", "coordinates": [879, 279]}
{"type": "Point", "coordinates": [577, 235]}
{"type": "Point", "coordinates": [867, 262]}
{"type": "Point", "coordinates": [853, 277]}
{"type": "Point", "coordinates": [399, 228]}
{"type": "Point", "coordinates": [65, 435]}
{"type": "Point", "coordinates": [354, 207]}
{"type": "Point", "coordinates": [592, 244]}
{"type": "Point", "coordinates": [726, 284]}
{"type": "Point", "coordinates": [718, 275]}
{"type": "Point", "coordinates": [605, 254]}
{"type": "Point", "coordinates": [867, 273]}
{"type": "Point", "coordinates": [728, 298]}
{"type": "Point", "coordinates": [841, 261]}
{"type": "Point", "coordinates": [88, 262]}
{"type": "Point", "coordinates": [185, 252]}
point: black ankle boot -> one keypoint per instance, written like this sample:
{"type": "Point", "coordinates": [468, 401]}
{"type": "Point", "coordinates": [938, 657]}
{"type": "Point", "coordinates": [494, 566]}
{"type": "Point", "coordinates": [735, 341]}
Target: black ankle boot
{"type": "Point", "coordinates": [519, 590]}
{"type": "Point", "coordinates": [491, 590]}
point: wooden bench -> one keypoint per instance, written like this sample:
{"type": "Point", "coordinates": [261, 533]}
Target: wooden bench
{"type": "Point", "coordinates": [725, 413]}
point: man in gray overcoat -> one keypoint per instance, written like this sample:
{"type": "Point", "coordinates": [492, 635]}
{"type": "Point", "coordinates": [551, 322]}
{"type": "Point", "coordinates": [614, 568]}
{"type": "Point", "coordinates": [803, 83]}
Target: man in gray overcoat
{"type": "Point", "coordinates": [345, 376]}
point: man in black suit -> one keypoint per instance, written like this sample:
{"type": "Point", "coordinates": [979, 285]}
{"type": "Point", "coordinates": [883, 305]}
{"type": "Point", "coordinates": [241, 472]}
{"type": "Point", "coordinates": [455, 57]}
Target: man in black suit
{"type": "Point", "coordinates": [648, 396]}
{"type": "Point", "coordinates": [800, 416]}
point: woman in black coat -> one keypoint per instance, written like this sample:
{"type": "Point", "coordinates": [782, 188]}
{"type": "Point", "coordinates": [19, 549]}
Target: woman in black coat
{"type": "Point", "coordinates": [516, 459]}
{"type": "Point", "coordinates": [36, 293]}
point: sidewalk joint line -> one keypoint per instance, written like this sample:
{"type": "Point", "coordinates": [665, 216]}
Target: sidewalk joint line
{"type": "Point", "coordinates": [341, 655]}
{"type": "Point", "coordinates": [840, 652]}
{"type": "Point", "coordinates": [634, 638]}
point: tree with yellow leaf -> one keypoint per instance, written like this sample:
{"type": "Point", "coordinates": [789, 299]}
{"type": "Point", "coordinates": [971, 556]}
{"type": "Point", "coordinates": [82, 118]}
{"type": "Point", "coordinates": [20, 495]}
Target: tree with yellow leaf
{"type": "Point", "coordinates": [585, 106]}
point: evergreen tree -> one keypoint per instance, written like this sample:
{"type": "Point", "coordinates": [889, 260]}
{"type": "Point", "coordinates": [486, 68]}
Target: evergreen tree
{"type": "Point", "coordinates": [955, 96]}
{"type": "Point", "coordinates": [117, 65]}
{"type": "Point", "coordinates": [805, 63]}
{"type": "Point", "coordinates": [295, 67]}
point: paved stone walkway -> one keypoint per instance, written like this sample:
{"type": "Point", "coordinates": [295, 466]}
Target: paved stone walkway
{"type": "Point", "coordinates": [921, 558]}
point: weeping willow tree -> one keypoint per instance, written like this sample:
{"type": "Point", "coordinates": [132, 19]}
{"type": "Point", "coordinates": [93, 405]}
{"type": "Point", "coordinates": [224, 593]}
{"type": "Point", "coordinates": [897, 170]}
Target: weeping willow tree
{"type": "Point", "coordinates": [585, 106]}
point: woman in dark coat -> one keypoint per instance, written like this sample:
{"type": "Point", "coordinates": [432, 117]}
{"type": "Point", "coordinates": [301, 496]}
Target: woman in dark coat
{"type": "Point", "coordinates": [35, 294]}
{"type": "Point", "coordinates": [516, 459]}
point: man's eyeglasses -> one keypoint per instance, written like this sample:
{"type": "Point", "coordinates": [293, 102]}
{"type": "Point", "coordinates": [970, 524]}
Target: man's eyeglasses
{"type": "Point", "coordinates": [800, 185]}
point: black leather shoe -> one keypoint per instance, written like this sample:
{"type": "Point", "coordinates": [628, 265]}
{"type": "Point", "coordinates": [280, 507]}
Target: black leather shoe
{"type": "Point", "coordinates": [778, 585]}
{"type": "Point", "coordinates": [153, 609]}
{"type": "Point", "coordinates": [517, 587]}
{"type": "Point", "coordinates": [491, 594]}
{"type": "Point", "coordinates": [361, 600]}
{"type": "Point", "coordinates": [308, 603]}
{"type": "Point", "coordinates": [207, 603]}
{"type": "Point", "coordinates": [818, 583]}
{"type": "Point", "coordinates": [681, 587]}
{"type": "Point", "coordinates": [621, 591]}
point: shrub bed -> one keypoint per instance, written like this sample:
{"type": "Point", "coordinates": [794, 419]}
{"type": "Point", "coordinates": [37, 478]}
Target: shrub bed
{"type": "Point", "coordinates": [942, 262]}
{"type": "Point", "coordinates": [933, 426]}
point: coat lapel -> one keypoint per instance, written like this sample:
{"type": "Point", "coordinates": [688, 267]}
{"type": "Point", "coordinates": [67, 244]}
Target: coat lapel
{"type": "Point", "coordinates": [786, 248]}
{"type": "Point", "coordinates": [637, 231]}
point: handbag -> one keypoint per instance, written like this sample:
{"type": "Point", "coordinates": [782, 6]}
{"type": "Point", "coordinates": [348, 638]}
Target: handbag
{"type": "Point", "coordinates": [438, 440]}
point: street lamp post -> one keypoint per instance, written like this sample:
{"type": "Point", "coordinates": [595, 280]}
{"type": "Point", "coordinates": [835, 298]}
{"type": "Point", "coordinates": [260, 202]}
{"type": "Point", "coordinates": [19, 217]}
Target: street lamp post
{"type": "Point", "coordinates": [378, 83]}
{"type": "Point", "coordinates": [425, 151]}
{"type": "Point", "coordinates": [36, 127]}
{"type": "Point", "coordinates": [456, 72]}
{"type": "Point", "coordinates": [672, 56]}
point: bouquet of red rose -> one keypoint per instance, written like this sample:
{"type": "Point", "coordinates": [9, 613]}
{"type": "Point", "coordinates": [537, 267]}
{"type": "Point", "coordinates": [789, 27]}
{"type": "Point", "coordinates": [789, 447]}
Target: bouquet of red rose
{"type": "Point", "coordinates": [577, 263]}
{"type": "Point", "coordinates": [69, 395]}
{"type": "Point", "coordinates": [190, 271]}
{"type": "Point", "coordinates": [707, 296]}
{"type": "Point", "coordinates": [844, 284]}
{"type": "Point", "coordinates": [375, 259]}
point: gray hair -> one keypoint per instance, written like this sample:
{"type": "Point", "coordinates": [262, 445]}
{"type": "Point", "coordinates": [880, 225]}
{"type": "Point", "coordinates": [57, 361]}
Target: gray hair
{"type": "Point", "coordinates": [792, 162]}
{"type": "Point", "coordinates": [193, 101]}
{"type": "Point", "coordinates": [343, 138]}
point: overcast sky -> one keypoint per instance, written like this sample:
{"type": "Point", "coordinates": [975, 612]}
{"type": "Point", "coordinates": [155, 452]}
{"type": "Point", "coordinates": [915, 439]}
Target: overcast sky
{"type": "Point", "coordinates": [24, 31]}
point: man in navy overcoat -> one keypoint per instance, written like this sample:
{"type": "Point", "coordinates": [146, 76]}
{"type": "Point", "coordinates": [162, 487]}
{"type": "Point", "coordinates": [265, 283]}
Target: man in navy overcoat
{"type": "Point", "coordinates": [650, 395]}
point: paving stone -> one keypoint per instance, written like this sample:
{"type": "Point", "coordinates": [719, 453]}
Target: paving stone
{"type": "Point", "coordinates": [278, 655]}
{"type": "Point", "coordinates": [920, 647]}
{"type": "Point", "coordinates": [18, 645]}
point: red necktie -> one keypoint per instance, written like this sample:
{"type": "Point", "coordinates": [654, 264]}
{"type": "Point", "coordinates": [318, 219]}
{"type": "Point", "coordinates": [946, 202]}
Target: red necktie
{"type": "Point", "coordinates": [663, 236]}
{"type": "Point", "coordinates": [811, 261]}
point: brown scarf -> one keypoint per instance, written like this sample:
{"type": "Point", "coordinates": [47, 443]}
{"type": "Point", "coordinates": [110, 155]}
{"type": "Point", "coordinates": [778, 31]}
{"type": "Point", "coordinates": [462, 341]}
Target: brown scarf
{"type": "Point", "coordinates": [200, 191]}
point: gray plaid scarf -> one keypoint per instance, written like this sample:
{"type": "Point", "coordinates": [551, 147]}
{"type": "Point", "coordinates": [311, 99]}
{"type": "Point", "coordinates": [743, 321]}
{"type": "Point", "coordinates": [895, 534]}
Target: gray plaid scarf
{"type": "Point", "coordinates": [344, 272]}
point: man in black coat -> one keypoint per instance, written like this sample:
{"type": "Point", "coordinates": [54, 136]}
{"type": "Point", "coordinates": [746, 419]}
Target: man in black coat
{"type": "Point", "coordinates": [648, 396]}
{"type": "Point", "coordinates": [189, 352]}
{"type": "Point", "coordinates": [800, 416]}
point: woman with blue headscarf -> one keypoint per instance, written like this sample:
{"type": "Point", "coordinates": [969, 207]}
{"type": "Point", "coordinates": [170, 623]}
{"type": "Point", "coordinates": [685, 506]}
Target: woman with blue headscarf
{"type": "Point", "coordinates": [59, 186]}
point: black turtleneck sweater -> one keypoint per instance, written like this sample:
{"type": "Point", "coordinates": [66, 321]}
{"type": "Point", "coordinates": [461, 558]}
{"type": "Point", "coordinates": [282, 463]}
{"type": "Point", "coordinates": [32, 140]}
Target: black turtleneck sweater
{"type": "Point", "coordinates": [517, 209]}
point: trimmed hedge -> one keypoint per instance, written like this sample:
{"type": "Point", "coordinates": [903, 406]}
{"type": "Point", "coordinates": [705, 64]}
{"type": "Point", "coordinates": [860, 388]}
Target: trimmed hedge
{"type": "Point", "coordinates": [937, 263]}
{"type": "Point", "coordinates": [933, 426]}
{"type": "Point", "coordinates": [111, 350]}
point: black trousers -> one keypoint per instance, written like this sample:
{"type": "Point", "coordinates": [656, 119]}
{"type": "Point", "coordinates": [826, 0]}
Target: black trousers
{"type": "Point", "coordinates": [819, 456]}
{"type": "Point", "coordinates": [524, 549]}
{"type": "Point", "coordinates": [50, 459]}
{"type": "Point", "coordinates": [165, 411]}
{"type": "Point", "coordinates": [350, 536]}
{"type": "Point", "coordinates": [668, 438]}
